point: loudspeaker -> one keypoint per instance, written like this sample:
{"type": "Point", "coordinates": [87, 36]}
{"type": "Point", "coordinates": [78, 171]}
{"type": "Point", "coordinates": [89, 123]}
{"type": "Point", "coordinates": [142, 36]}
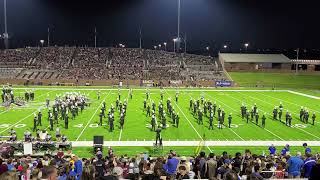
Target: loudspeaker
{"type": "Point", "coordinates": [98, 140]}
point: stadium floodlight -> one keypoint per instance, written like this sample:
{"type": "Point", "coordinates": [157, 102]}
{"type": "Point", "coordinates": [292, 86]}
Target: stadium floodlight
{"type": "Point", "coordinates": [159, 46]}
{"type": "Point", "coordinates": [246, 45]}
{"type": "Point", "coordinates": [165, 46]}
{"type": "Point", "coordinates": [155, 47]}
{"type": "Point", "coordinates": [42, 41]}
{"type": "Point", "coordinates": [174, 44]}
{"type": "Point", "coordinates": [225, 46]}
{"type": "Point", "coordinates": [207, 48]}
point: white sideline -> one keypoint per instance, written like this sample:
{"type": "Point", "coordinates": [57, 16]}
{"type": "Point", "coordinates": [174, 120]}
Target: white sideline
{"type": "Point", "coordinates": [302, 94]}
{"type": "Point", "coordinates": [196, 143]}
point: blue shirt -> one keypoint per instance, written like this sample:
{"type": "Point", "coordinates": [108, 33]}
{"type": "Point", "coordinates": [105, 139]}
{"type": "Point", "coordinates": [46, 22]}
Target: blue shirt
{"type": "Point", "coordinates": [78, 169]}
{"type": "Point", "coordinates": [171, 166]}
{"type": "Point", "coordinates": [295, 164]}
{"type": "Point", "coordinates": [308, 164]}
{"type": "Point", "coordinates": [272, 150]}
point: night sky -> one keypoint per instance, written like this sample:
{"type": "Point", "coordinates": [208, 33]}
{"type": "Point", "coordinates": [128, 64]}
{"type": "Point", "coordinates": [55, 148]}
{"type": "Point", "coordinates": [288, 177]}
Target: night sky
{"type": "Point", "coordinates": [262, 23]}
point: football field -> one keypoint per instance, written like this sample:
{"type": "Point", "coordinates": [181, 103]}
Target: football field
{"type": "Point", "coordinates": [137, 131]}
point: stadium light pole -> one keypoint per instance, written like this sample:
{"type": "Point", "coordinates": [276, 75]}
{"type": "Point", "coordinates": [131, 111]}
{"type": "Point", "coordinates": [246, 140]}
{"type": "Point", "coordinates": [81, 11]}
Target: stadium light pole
{"type": "Point", "coordinates": [208, 48]}
{"type": "Point", "coordinates": [155, 47]}
{"type": "Point", "coordinates": [246, 45]}
{"type": "Point", "coordinates": [165, 46]}
{"type": "Point", "coordinates": [178, 38]}
{"type": "Point", "coordinates": [159, 46]}
{"type": "Point", "coordinates": [41, 41]}
{"type": "Point", "coordinates": [174, 44]}
{"type": "Point", "coordinates": [5, 35]}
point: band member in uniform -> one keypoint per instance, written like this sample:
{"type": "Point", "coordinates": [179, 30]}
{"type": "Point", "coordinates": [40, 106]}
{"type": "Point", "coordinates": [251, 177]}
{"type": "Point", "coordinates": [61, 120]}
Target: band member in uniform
{"type": "Point", "coordinates": [35, 119]}
{"type": "Point", "coordinates": [275, 113]}
{"type": "Point", "coordinates": [148, 110]}
{"type": "Point", "coordinates": [153, 122]}
{"type": "Point", "coordinates": [301, 113]}
{"type": "Point", "coordinates": [230, 120]}
{"type": "Point", "coordinates": [144, 104]}
{"type": "Point", "coordinates": [211, 121]}
{"type": "Point", "coordinates": [158, 136]}
{"type": "Point", "coordinates": [214, 108]}
{"type": "Point", "coordinates": [100, 118]}
{"type": "Point", "coordinates": [247, 116]}
{"type": "Point", "coordinates": [47, 102]}
{"type": "Point", "coordinates": [177, 120]}
{"type": "Point", "coordinates": [290, 119]}
{"type": "Point", "coordinates": [200, 117]}
{"type": "Point", "coordinates": [39, 118]}
{"type": "Point", "coordinates": [280, 114]}
{"type": "Point", "coordinates": [66, 120]}
{"type": "Point", "coordinates": [121, 121]}
{"type": "Point", "coordinates": [51, 121]}
{"type": "Point", "coordinates": [263, 120]}
{"type": "Point", "coordinates": [257, 117]}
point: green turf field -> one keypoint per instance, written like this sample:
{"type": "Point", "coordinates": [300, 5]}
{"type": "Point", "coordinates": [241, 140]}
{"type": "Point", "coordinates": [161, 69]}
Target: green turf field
{"type": "Point", "coordinates": [136, 127]}
{"type": "Point", "coordinates": [279, 80]}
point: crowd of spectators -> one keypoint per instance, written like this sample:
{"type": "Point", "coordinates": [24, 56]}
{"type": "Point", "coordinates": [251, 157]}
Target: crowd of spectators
{"type": "Point", "coordinates": [54, 57]}
{"type": "Point", "coordinates": [171, 166]}
{"type": "Point", "coordinates": [17, 57]}
{"type": "Point", "coordinates": [104, 63]}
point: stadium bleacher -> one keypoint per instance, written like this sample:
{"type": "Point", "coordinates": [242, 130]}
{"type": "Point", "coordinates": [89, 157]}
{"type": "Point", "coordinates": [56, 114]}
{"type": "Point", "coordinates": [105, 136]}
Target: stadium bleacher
{"type": "Point", "coordinates": [108, 63]}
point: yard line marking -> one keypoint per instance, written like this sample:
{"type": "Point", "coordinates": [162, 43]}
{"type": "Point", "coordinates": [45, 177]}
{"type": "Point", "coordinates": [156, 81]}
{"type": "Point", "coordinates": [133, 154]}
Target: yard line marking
{"type": "Point", "coordinates": [286, 109]}
{"type": "Point", "coordinates": [228, 128]}
{"type": "Point", "coordinates": [288, 102]}
{"type": "Point", "coordinates": [237, 112]}
{"type": "Point", "coordinates": [308, 133]}
{"type": "Point", "coordinates": [187, 119]}
{"type": "Point", "coordinates": [127, 105]}
{"type": "Point", "coordinates": [274, 134]}
{"type": "Point", "coordinates": [39, 108]}
{"type": "Point", "coordinates": [18, 121]}
{"type": "Point", "coordinates": [302, 94]}
{"type": "Point", "coordinates": [92, 116]}
{"type": "Point", "coordinates": [236, 134]}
